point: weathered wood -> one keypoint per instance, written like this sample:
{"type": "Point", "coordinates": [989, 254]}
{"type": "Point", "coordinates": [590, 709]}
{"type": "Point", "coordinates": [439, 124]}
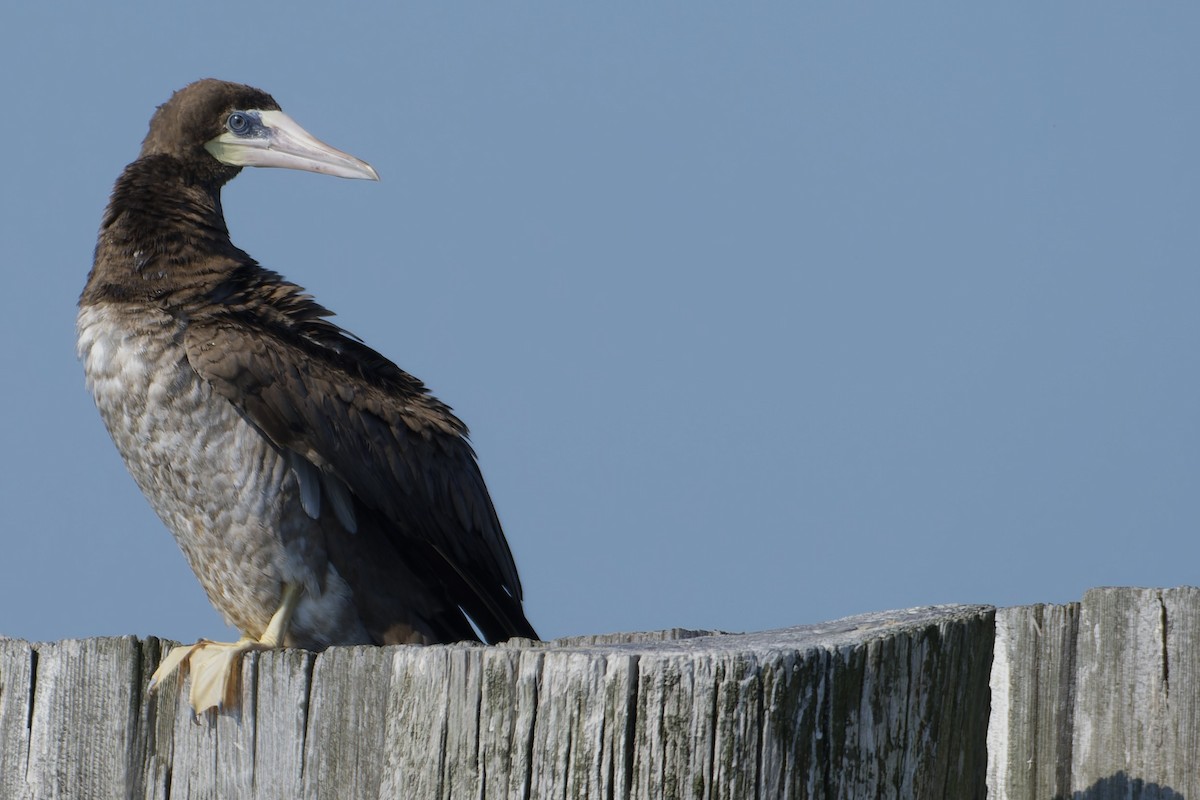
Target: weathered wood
{"type": "Point", "coordinates": [16, 706]}
{"type": "Point", "coordinates": [880, 705]}
{"type": "Point", "coordinates": [1091, 700]}
{"type": "Point", "coordinates": [1033, 673]}
{"type": "Point", "coordinates": [49, 707]}
{"type": "Point", "coordinates": [1098, 699]}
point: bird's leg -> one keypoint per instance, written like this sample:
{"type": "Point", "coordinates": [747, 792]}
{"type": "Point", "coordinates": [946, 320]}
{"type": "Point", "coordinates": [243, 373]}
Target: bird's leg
{"type": "Point", "coordinates": [277, 628]}
{"type": "Point", "coordinates": [216, 666]}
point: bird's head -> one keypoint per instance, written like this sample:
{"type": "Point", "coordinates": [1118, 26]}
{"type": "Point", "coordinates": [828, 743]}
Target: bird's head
{"type": "Point", "coordinates": [240, 126]}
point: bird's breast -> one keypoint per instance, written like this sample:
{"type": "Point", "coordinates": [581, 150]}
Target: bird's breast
{"type": "Point", "coordinates": [222, 489]}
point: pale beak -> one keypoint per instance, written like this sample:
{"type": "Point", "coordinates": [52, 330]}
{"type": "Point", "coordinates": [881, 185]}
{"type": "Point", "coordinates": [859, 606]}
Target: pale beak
{"type": "Point", "coordinates": [280, 142]}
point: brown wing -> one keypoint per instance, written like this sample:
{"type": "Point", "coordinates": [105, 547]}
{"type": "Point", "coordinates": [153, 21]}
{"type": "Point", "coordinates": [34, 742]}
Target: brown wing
{"type": "Point", "coordinates": [367, 426]}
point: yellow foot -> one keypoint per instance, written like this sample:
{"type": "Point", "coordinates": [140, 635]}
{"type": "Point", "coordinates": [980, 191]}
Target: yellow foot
{"type": "Point", "coordinates": [216, 669]}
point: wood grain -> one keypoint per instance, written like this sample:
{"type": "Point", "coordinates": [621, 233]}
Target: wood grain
{"type": "Point", "coordinates": [880, 705]}
{"type": "Point", "coordinates": [1098, 699]}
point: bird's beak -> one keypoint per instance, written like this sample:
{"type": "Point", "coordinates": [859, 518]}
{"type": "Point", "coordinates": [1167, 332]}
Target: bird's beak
{"type": "Point", "coordinates": [281, 142]}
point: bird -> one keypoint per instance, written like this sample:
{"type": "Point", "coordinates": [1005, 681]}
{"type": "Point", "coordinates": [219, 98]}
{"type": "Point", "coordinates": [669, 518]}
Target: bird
{"type": "Point", "coordinates": [321, 494]}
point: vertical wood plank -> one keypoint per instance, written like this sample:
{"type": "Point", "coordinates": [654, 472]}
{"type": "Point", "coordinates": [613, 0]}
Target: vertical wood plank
{"type": "Point", "coordinates": [17, 665]}
{"type": "Point", "coordinates": [1136, 701]}
{"type": "Point", "coordinates": [1033, 702]}
{"type": "Point", "coordinates": [417, 724]}
{"type": "Point", "coordinates": [83, 718]}
{"type": "Point", "coordinates": [346, 723]}
{"type": "Point", "coordinates": [283, 680]}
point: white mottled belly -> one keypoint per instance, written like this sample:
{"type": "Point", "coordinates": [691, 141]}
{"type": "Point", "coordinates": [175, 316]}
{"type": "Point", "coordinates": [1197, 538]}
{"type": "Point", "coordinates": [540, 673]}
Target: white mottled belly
{"type": "Point", "coordinates": [226, 494]}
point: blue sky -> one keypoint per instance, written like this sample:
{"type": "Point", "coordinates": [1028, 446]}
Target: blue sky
{"type": "Point", "coordinates": [760, 314]}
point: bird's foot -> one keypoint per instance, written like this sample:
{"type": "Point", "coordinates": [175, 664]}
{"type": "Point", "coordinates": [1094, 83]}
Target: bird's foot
{"type": "Point", "coordinates": [216, 669]}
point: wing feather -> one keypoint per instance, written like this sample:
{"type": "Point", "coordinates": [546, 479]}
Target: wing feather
{"type": "Point", "coordinates": [362, 424]}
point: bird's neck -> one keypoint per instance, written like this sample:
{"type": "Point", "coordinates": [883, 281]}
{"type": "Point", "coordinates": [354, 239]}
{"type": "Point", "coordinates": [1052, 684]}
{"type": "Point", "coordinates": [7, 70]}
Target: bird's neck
{"type": "Point", "coordinates": [163, 231]}
{"type": "Point", "coordinates": [157, 200]}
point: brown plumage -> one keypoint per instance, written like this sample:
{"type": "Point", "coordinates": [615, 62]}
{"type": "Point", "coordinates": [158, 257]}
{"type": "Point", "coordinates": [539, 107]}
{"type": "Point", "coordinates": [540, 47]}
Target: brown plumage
{"type": "Point", "coordinates": [280, 450]}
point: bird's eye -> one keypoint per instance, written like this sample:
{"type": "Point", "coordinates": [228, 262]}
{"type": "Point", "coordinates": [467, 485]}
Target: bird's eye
{"type": "Point", "coordinates": [238, 123]}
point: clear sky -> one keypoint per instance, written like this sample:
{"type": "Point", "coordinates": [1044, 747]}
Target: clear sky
{"type": "Point", "coordinates": [760, 314]}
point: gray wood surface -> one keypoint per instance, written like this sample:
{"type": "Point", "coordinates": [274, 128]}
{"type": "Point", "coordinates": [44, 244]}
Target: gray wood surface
{"type": "Point", "coordinates": [1098, 699]}
{"type": "Point", "coordinates": [892, 704]}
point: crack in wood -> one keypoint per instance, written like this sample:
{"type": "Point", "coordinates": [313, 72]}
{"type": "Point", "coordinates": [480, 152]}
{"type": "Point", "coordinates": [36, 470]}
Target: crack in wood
{"type": "Point", "coordinates": [631, 720]}
{"type": "Point", "coordinates": [1166, 659]}
{"type": "Point", "coordinates": [33, 678]}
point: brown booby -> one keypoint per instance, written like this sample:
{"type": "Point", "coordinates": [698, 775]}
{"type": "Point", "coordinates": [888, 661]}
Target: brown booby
{"type": "Point", "coordinates": [320, 493]}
